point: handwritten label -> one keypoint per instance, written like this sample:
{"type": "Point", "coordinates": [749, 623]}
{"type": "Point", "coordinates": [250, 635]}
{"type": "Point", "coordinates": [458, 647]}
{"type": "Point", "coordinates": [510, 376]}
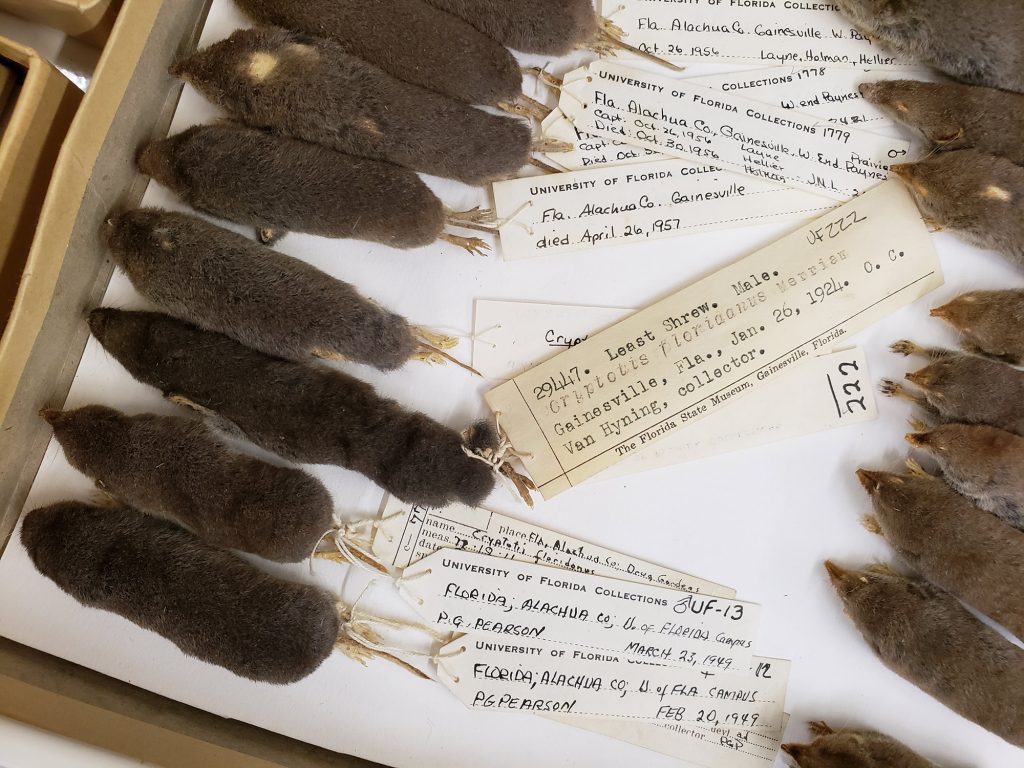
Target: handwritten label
{"type": "Point", "coordinates": [713, 747]}
{"type": "Point", "coordinates": [532, 677]}
{"type": "Point", "coordinates": [591, 151]}
{"type": "Point", "coordinates": [407, 534]}
{"type": "Point", "coordinates": [403, 538]}
{"type": "Point", "coordinates": [835, 389]}
{"type": "Point", "coordinates": [747, 31]}
{"type": "Point", "coordinates": [600, 207]}
{"type": "Point", "coordinates": [511, 336]}
{"type": "Point", "coordinates": [683, 118]}
{"type": "Point", "coordinates": [472, 593]}
{"type": "Point", "coordinates": [717, 340]}
{"type": "Point", "coordinates": [828, 93]}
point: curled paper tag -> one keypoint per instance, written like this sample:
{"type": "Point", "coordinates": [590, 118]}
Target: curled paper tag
{"type": "Point", "coordinates": [717, 340]}
{"type": "Point", "coordinates": [747, 31]}
{"type": "Point", "coordinates": [525, 677]}
{"type": "Point", "coordinates": [683, 118]}
{"type": "Point", "coordinates": [409, 533]}
{"type": "Point", "coordinates": [601, 207]}
{"type": "Point", "coordinates": [472, 593]}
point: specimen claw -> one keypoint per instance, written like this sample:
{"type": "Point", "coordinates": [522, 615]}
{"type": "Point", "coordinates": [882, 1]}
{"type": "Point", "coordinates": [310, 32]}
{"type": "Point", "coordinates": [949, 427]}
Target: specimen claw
{"type": "Point", "coordinates": [474, 245]}
{"type": "Point", "coordinates": [905, 348]}
{"type": "Point", "coordinates": [475, 215]}
{"type": "Point", "coordinates": [523, 484]}
{"type": "Point", "coordinates": [871, 524]}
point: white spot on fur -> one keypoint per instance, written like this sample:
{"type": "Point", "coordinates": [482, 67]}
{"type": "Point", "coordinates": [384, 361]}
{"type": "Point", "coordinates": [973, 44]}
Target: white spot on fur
{"type": "Point", "coordinates": [305, 51]}
{"type": "Point", "coordinates": [901, 107]}
{"type": "Point", "coordinates": [262, 65]}
{"type": "Point", "coordinates": [993, 192]}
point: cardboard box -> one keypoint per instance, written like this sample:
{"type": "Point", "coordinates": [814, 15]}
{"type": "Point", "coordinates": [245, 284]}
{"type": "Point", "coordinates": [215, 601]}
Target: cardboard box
{"type": "Point", "coordinates": [86, 706]}
{"type": "Point", "coordinates": [131, 100]}
{"type": "Point", "coordinates": [7, 81]}
{"type": "Point", "coordinates": [34, 117]}
{"type": "Point", "coordinates": [91, 20]}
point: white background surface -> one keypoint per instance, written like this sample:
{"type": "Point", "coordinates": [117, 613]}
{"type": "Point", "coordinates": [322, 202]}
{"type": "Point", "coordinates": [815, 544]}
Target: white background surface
{"type": "Point", "coordinates": [761, 521]}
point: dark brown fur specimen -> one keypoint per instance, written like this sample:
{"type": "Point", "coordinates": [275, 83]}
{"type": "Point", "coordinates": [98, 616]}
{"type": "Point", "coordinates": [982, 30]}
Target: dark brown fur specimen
{"type": "Point", "coordinates": [224, 282]}
{"type": "Point", "coordinates": [311, 89]}
{"type": "Point", "coordinates": [304, 413]}
{"type": "Point", "coordinates": [212, 605]}
{"type": "Point", "coordinates": [953, 116]}
{"type": "Point", "coordinates": [985, 464]}
{"type": "Point", "coordinates": [979, 43]}
{"type": "Point", "coordinates": [278, 184]}
{"type": "Point", "coordinates": [408, 39]}
{"type": "Point", "coordinates": [177, 469]}
{"type": "Point", "coordinates": [546, 27]}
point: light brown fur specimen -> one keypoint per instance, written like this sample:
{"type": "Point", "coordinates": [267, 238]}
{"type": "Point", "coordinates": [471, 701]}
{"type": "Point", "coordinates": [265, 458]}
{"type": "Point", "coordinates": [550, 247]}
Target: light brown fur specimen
{"type": "Point", "coordinates": [928, 638]}
{"type": "Point", "coordinates": [849, 748]}
{"type": "Point", "coordinates": [956, 546]}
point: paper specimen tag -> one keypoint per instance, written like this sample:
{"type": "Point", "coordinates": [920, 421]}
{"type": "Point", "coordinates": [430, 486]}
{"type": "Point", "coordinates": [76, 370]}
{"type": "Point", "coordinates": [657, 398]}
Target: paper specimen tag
{"type": "Point", "coordinates": [835, 388]}
{"type": "Point", "coordinates": [591, 151]}
{"type": "Point", "coordinates": [716, 746]}
{"type": "Point", "coordinates": [719, 339]}
{"type": "Point", "coordinates": [511, 336]}
{"type": "Point", "coordinates": [685, 119]}
{"type": "Point", "coordinates": [402, 538]}
{"type": "Point", "coordinates": [469, 592]}
{"type": "Point", "coordinates": [409, 533]}
{"type": "Point", "coordinates": [607, 206]}
{"type": "Point", "coordinates": [713, 747]}
{"type": "Point", "coordinates": [746, 31]}
{"type": "Point", "coordinates": [532, 677]}
{"type": "Point", "coordinates": [828, 93]}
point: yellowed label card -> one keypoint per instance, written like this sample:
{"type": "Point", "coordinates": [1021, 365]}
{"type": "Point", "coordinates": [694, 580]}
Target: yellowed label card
{"type": "Point", "coordinates": [717, 340]}
{"type": "Point", "coordinates": [836, 388]}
